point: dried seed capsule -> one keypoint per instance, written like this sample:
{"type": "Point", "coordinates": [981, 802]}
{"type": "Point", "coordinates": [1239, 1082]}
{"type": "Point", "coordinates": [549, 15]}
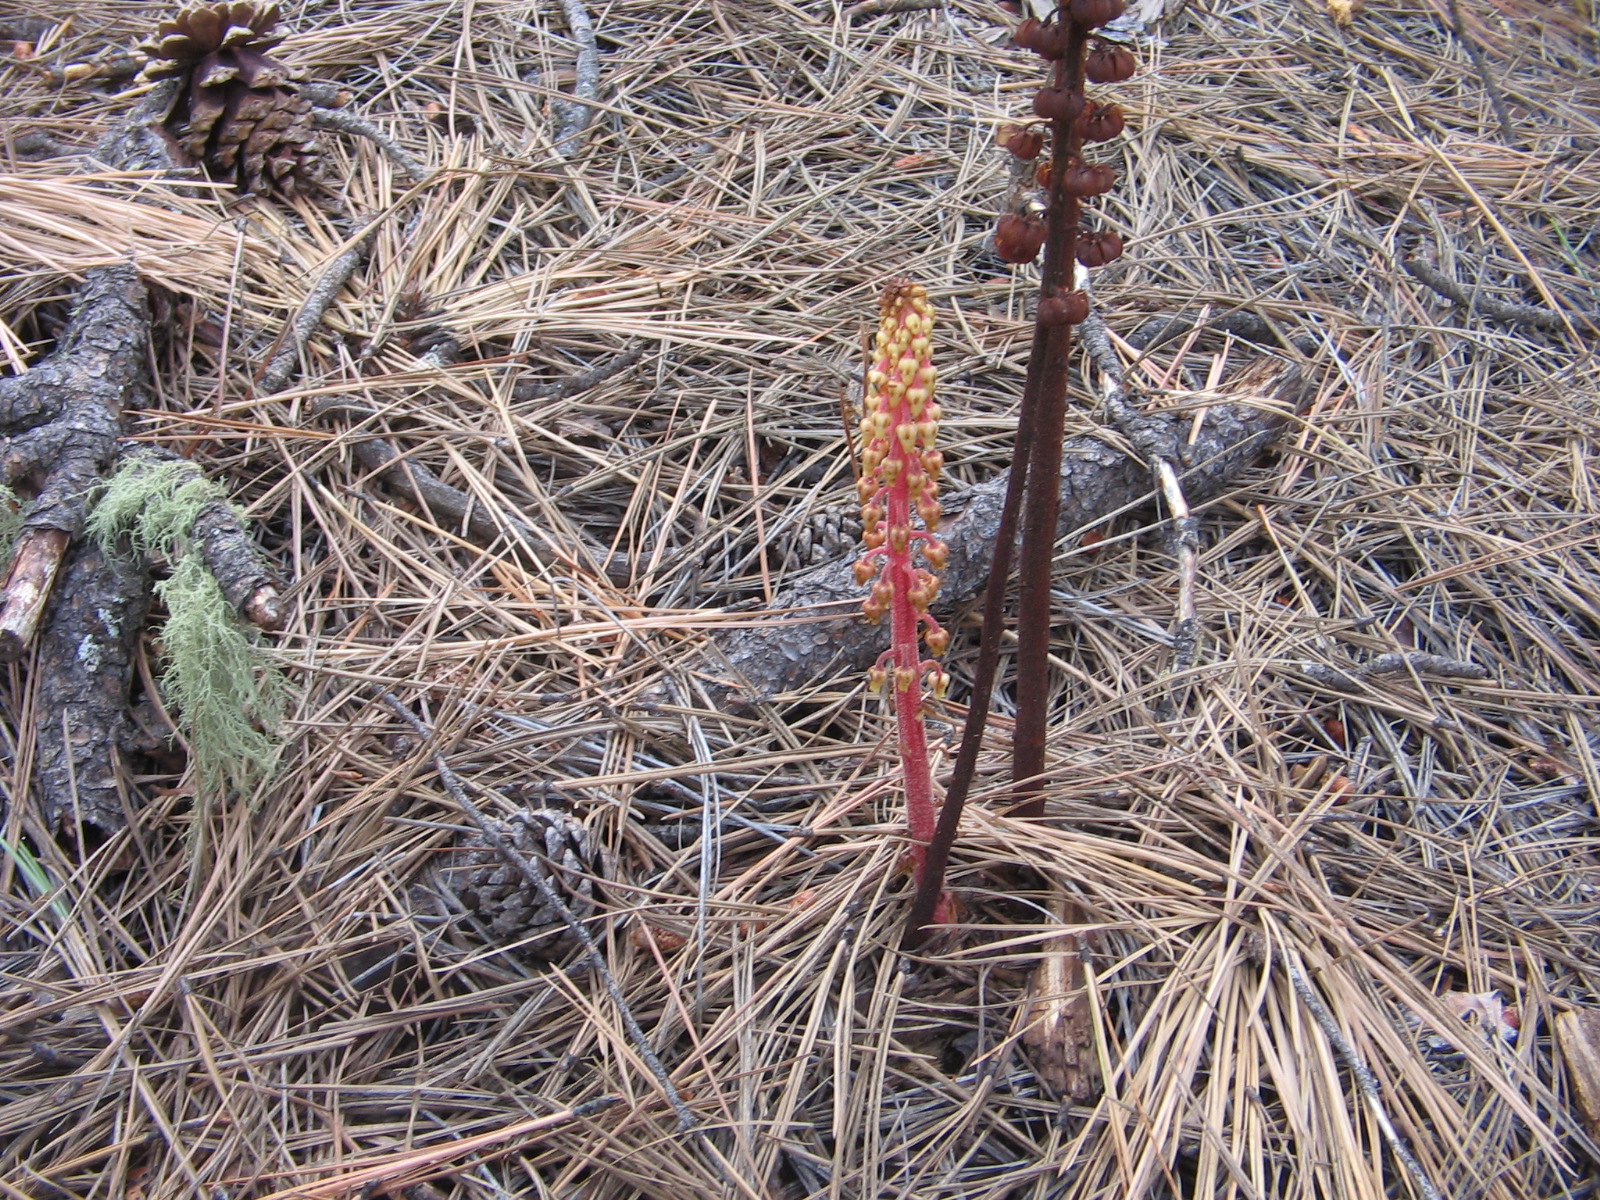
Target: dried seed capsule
{"type": "Point", "coordinates": [1097, 249]}
{"type": "Point", "coordinates": [1026, 144]}
{"type": "Point", "coordinates": [864, 571]}
{"type": "Point", "coordinates": [1048, 40]}
{"type": "Point", "coordinates": [1058, 104]}
{"type": "Point", "coordinates": [1018, 239]}
{"type": "Point", "coordinates": [1089, 179]}
{"type": "Point", "coordinates": [1100, 122]}
{"type": "Point", "coordinates": [1029, 34]}
{"type": "Point", "coordinates": [1092, 14]}
{"type": "Point", "coordinates": [1069, 308]}
{"type": "Point", "coordinates": [1109, 64]}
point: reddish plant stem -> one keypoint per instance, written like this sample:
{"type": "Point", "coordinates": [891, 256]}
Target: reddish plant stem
{"type": "Point", "coordinates": [906, 656]}
{"type": "Point", "coordinates": [1048, 426]}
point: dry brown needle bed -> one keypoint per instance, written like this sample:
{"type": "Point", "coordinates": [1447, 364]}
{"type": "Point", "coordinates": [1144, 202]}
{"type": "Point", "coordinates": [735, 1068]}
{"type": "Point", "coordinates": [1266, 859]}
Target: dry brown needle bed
{"type": "Point", "coordinates": [525, 371]}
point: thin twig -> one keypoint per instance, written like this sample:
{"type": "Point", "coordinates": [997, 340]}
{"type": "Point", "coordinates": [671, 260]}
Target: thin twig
{"type": "Point", "coordinates": [342, 121]}
{"type": "Point", "coordinates": [873, 8]}
{"type": "Point", "coordinates": [458, 792]}
{"type": "Point", "coordinates": [1508, 131]}
{"type": "Point", "coordinates": [1397, 663]}
{"type": "Point", "coordinates": [280, 367]}
{"type": "Point", "coordinates": [573, 116]}
{"type": "Point", "coordinates": [1500, 310]}
{"type": "Point", "coordinates": [439, 499]}
{"type": "Point", "coordinates": [1367, 1082]}
{"type": "Point", "coordinates": [1157, 442]}
{"type": "Point", "coordinates": [571, 386]}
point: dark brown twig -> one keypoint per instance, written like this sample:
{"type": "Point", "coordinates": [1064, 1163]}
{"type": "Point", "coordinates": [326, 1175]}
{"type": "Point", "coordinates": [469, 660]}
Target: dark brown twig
{"type": "Point", "coordinates": [1497, 101]}
{"type": "Point", "coordinates": [571, 386]}
{"type": "Point", "coordinates": [1499, 310]}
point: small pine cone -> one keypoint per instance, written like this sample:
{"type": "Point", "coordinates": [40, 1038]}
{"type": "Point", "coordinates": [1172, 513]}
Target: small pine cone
{"type": "Point", "coordinates": [237, 112]}
{"type": "Point", "coordinates": [828, 535]}
{"type": "Point", "coordinates": [507, 902]}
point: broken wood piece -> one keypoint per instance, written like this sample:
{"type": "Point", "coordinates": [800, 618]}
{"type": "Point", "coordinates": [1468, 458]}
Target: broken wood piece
{"type": "Point", "coordinates": [1578, 1036]}
{"type": "Point", "coordinates": [1059, 1018]}
{"type": "Point", "coordinates": [34, 565]}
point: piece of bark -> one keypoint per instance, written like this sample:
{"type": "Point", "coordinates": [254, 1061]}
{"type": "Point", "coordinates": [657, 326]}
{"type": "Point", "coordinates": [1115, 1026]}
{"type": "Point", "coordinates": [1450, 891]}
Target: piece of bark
{"type": "Point", "coordinates": [826, 632]}
{"type": "Point", "coordinates": [84, 669]}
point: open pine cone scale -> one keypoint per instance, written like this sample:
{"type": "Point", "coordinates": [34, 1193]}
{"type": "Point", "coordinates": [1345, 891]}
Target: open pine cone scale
{"type": "Point", "coordinates": [238, 113]}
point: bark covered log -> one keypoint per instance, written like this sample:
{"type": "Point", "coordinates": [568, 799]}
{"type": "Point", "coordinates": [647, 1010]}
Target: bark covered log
{"type": "Point", "coordinates": [825, 632]}
{"type": "Point", "coordinates": [85, 669]}
{"type": "Point", "coordinates": [63, 419]}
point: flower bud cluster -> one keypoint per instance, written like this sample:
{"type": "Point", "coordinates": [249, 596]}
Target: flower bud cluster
{"type": "Point", "coordinates": [1068, 42]}
{"type": "Point", "coordinates": [900, 469]}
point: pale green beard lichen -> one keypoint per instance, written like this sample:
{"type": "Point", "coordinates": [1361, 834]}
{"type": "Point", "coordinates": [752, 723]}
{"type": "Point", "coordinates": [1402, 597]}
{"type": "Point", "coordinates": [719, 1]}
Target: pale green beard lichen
{"type": "Point", "coordinates": [12, 510]}
{"type": "Point", "coordinates": [229, 696]}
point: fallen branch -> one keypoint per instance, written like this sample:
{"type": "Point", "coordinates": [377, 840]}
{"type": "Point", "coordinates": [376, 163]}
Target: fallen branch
{"type": "Point", "coordinates": [84, 669]}
{"type": "Point", "coordinates": [64, 417]}
{"type": "Point", "coordinates": [821, 629]}
{"type": "Point", "coordinates": [540, 880]}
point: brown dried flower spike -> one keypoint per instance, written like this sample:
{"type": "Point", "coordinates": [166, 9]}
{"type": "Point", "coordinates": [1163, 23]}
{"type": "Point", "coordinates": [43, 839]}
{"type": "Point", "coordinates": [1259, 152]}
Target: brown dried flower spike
{"type": "Point", "coordinates": [237, 112]}
{"type": "Point", "coordinates": [1074, 54]}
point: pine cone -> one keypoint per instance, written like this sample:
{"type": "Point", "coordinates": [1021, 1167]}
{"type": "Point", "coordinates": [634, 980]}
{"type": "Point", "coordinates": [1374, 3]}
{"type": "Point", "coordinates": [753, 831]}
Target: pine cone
{"type": "Point", "coordinates": [237, 112]}
{"type": "Point", "coordinates": [506, 901]}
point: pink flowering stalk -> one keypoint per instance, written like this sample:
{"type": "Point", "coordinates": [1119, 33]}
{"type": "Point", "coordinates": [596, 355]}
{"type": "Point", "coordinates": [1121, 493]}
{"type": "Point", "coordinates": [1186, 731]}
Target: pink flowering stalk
{"type": "Point", "coordinates": [900, 469]}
